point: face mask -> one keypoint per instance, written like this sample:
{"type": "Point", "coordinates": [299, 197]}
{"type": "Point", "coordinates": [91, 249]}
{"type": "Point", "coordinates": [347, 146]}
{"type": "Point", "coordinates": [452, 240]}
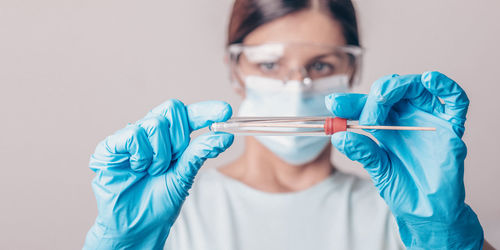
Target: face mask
{"type": "Point", "coordinates": [270, 97]}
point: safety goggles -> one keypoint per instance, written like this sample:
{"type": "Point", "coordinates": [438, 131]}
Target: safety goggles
{"type": "Point", "coordinates": [294, 61]}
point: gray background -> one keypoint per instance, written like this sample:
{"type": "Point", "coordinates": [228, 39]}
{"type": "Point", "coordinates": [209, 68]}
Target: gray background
{"type": "Point", "coordinates": [74, 71]}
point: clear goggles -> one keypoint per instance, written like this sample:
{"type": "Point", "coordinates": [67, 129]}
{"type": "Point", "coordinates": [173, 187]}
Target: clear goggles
{"type": "Point", "coordinates": [294, 61]}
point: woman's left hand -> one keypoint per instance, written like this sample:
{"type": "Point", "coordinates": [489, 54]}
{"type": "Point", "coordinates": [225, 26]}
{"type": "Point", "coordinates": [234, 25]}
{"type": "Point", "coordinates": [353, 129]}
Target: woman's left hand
{"type": "Point", "coordinates": [419, 174]}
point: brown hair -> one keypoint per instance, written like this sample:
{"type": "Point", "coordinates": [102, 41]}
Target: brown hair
{"type": "Point", "coordinates": [247, 15]}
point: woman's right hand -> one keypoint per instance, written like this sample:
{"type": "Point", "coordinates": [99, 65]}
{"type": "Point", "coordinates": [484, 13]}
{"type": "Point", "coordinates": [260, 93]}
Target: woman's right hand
{"type": "Point", "coordinates": [144, 172]}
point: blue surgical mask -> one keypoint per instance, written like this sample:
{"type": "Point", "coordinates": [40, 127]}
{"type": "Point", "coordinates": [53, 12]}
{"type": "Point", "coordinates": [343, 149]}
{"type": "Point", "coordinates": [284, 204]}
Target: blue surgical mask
{"type": "Point", "coordinates": [271, 97]}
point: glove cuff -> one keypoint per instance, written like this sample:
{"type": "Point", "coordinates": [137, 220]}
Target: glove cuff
{"type": "Point", "coordinates": [463, 233]}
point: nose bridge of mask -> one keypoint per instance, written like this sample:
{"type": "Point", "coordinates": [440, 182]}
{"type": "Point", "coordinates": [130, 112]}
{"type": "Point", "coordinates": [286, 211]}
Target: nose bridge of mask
{"type": "Point", "coordinates": [272, 97]}
{"type": "Point", "coordinates": [264, 85]}
{"type": "Point", "coordinates": [293, 94]}
{"type": "Point", "coordinates": [294, 86]}
{"type": "Point", "coordinates": [335, 83]}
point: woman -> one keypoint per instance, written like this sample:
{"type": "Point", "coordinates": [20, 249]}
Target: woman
{"type": "Point", "coordinates": [283, 193]}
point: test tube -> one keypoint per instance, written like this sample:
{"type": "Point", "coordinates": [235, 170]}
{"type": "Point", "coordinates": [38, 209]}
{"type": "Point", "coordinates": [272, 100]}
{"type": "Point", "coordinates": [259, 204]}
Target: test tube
{"type": "Point", "coordinates": [296, 126]}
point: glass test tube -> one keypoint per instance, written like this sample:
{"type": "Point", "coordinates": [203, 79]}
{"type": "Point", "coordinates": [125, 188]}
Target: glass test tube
{"type": "Point", "coordinates": [284, 126]}
{"type": "Point", "coordinates": [295, 126]}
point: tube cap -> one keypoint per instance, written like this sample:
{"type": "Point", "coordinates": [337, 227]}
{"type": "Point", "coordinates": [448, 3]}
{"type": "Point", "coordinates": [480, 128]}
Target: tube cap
{"type": "Point", "coordinates": [334, 125]}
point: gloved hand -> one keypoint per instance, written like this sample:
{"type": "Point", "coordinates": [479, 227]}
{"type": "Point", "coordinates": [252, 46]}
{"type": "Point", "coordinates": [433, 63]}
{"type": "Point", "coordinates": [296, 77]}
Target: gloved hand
{"type": "Point", "coordinates": [144, 172]}
{"type": "Point", "coordinates": [419, 174]}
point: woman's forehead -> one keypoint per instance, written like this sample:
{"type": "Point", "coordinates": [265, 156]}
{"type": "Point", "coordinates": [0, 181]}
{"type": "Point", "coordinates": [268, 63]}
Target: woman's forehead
{"type": "Point", "coordinates": [308, 27]}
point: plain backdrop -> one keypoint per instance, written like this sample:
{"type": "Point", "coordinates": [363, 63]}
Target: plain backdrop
{"type": "Point", "coordinates": [74, 71]}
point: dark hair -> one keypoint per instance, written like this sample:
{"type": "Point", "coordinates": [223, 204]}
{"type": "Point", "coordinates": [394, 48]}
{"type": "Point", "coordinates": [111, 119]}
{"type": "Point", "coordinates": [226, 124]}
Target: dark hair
{"type": "Point", "coordinates": [247, 15]}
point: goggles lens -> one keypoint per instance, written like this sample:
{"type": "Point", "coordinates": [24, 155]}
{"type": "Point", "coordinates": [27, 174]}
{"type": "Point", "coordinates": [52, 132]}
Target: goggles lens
{"type": "Point", "coordinates": [289, 61]}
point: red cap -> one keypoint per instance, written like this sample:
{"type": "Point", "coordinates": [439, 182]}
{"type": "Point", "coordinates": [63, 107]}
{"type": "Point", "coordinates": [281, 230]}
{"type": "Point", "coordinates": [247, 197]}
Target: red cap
{"type": "Point", "coordinates": [334, 125]}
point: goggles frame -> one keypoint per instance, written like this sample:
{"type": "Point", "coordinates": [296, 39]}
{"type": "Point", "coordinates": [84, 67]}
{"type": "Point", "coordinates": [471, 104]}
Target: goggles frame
{"type": "Point", "coordinates": [235, 50]}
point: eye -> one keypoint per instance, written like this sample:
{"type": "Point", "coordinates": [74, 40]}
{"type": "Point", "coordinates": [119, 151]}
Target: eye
{"type": "Point", "coordinates": [320, 68]}
{"type": "Point", "coordinates": [268, 66]}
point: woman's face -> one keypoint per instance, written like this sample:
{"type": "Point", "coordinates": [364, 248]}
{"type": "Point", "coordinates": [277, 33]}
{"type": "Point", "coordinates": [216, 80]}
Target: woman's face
{"type": "Point", "coordinates": [309, 37]}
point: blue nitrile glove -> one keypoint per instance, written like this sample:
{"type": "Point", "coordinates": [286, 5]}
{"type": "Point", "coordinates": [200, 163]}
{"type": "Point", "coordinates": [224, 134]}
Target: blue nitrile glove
{"type": "Point", "coordinates": [144, 172]}
{"type": "Point", "coordinates": [419, 174]}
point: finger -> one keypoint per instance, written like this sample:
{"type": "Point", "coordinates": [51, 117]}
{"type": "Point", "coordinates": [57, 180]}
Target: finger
{"type": "Point", "coordinates": [345, 105]}
{"type": "Point", "coordinates": [175, 112]}
{"type": "Point", "coordinates": [157, 129]}
{"type": "Point", "coordinates": [364, 150]}
{"type": "Point", "coordinates": [429, 103]}
{"type": "Point", "coordinates": [389, 90]}
{"type": "Point", "coordinates": [206, 146]}
{"type": "Point", "coordinates": [454, 97]}
{"type": "Point", "coordinates": [128, 147]}
{"type": "Point", "coordinates": [202, 114]}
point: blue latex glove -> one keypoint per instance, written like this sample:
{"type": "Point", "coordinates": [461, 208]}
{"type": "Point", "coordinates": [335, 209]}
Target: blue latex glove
{"type": "Point", "coordinates": [419, 174]}
{"type": "Point", "coordinates": [145, 170]}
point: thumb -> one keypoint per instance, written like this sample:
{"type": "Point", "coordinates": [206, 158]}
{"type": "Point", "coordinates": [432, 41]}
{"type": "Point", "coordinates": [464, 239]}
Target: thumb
{"type": "Point", "coordinates": [202, 114]}
{"type": "Point", "coordinates": [364, 150]}
{"type": "Point", "coordinates": [205, 146]}
{"type": "Point", "coordinates": [346, 105]}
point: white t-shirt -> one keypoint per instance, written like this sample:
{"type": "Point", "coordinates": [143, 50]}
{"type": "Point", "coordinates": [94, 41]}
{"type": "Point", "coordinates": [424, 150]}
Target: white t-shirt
{"type": "Point", "coordinates": [341, 212]}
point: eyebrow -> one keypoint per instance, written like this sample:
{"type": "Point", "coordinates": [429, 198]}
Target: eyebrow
{"type": "Point", "coordinates": [320, 57]}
